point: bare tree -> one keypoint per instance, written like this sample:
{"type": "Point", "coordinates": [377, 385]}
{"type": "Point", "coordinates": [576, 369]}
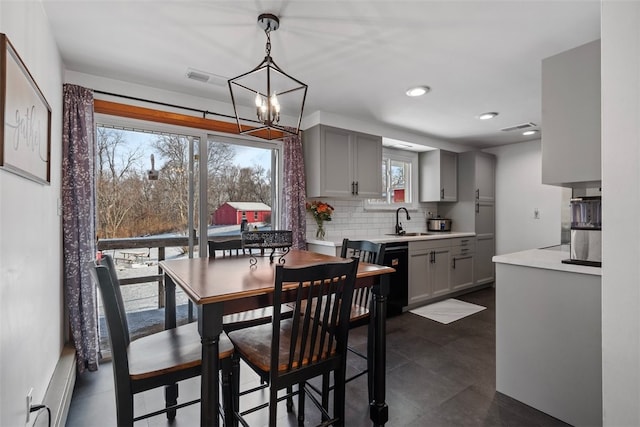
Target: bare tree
{"type": "Point", "coordinates": [129, 204]}
{"type": "Point", "coordinates": [116, 164]}
{"type": "Point", "coordinates": [173, 184]}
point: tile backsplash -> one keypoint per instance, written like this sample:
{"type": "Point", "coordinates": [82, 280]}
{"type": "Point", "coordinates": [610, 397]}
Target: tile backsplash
{"type": "Point", "coordinates": [351, 220]}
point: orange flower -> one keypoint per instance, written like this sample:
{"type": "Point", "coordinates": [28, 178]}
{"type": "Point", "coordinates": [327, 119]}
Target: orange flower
{"type": "Point", "coordinates": [321, 211]}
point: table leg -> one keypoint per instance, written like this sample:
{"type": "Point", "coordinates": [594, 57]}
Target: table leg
{"type": "Point", "coordinates": [170, 303]}
{"type": "Point", "coordinates": [378, 409]}
{"type": "Point", "coordinates": [210, 327]}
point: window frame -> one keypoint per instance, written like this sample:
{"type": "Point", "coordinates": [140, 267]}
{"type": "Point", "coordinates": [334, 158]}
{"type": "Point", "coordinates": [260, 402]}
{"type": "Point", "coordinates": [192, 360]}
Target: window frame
{"type": "Point", "coordinates": [205, 136]}
{"type": "Point", "coordinates": [410, 157]}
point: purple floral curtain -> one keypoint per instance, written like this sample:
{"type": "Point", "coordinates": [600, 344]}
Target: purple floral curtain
{"type": "Point", "coordinates": [294, 192]}
{"type": "Point", "coordinates": [78, 222]}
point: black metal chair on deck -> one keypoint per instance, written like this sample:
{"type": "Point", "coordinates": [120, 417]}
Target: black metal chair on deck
{"type": "Point", "coordinates": [309, 344]}
{"type": "Point", "coordinates": [159, 359]}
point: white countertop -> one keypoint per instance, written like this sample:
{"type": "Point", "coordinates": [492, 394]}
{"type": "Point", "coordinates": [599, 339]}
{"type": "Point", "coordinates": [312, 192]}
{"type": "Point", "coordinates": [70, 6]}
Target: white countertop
{"type": "Point", "coordinates": [389, 239]}
{"type": "Point", "coordinates": [550, 259]}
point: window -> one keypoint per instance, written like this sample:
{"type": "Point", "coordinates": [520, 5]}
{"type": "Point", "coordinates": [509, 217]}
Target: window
{"type": "Point", "coordinates": [399, 180]}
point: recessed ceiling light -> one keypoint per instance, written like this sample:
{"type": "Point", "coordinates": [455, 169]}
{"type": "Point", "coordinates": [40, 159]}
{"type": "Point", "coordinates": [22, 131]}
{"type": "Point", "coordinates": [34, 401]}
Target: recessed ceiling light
{"type": "Point", "coordinates": [487, 116]}
{"type": "Point", "coordinates": [418, 90]}
{"type": "Point", "coordinates": [530, 132]}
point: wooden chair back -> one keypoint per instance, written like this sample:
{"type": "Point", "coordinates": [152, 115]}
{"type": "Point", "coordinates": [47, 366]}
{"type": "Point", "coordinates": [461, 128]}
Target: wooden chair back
{"type": "Point", "coordinates": [227, 248]}
{"type": "Point", "coordinates": [365, 251]}
{"type": "Point", "coordinates": [318, 335]}
{"type": "Point", "coordinates": [108, 262]}
{"type": "Point", "coordinates": [104, 274]}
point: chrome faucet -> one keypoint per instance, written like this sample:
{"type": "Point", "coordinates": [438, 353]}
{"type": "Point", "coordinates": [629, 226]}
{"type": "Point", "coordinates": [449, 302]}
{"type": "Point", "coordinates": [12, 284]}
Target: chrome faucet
{"type": "Point", "coordinates": [399, 229]}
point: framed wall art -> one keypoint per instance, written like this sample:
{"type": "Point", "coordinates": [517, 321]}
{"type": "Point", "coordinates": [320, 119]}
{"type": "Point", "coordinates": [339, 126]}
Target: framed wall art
{"type": "Point", "coordinates": [25, 134]}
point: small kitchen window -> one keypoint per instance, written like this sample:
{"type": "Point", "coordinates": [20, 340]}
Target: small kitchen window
{"type": "Point", "coordinates": [399, 180]}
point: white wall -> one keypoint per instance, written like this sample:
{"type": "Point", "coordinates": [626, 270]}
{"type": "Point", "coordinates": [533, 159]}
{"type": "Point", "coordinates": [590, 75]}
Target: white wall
{"type": "Point", "coordinates": [518, 193]}
{"type": "Point", "coordinates": [31, 298]}
{"type": "Point", "coordinates": [620, 212]}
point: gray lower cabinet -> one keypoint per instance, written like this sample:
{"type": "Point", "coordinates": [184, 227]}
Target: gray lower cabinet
{"type": "Point", "coordinates": [484, 267]}
{"type": "Point", "coordinates": [419, 260]}
{"type": "Point", "coordinates": [462, 263]}
{"type": "Point", "coordinates": [429, 270]}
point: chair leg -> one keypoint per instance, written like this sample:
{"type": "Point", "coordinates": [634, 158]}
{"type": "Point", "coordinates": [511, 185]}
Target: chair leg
{"type": "Point", "coordinates": [227, 395]}
{"type": "Point", "coordinates": [124, 410]}
{"type": "Point", "coordinates": [273, 406]}
{"type": "Point", "coordinates": [189, 311]}
{"type": "Point", "coordinates": [325, 393]}
{"type": "Point", "coordinates": [289, 399]}
{"type": "Point", "coordinates": [301, 404]}
{"type": "Point", "coordinates": [339, 377]}
{"type": "Point", "coordinates": [370, 349]}
{"type": "Point", "coordinates": [171, 398]}
{"type": "Point", "coordinates": [235, 384]}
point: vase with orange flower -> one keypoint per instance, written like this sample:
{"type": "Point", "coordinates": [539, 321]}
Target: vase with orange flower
{"type": "Point", "coordinates": [321, 212]}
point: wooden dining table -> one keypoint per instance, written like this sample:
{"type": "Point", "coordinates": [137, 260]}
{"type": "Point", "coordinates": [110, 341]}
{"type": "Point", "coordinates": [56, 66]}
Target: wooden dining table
{"type": "Point", "coordinates": [229, 285]}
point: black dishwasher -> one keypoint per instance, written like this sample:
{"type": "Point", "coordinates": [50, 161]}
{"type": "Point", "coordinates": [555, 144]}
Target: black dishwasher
{"type": "Point", "coordinates": [396, 255]}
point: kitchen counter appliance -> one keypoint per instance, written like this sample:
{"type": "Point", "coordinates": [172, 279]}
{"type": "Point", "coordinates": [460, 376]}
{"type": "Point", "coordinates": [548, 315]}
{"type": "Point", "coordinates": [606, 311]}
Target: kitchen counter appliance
{"type": "Point", "coordinates": [396, 255]}
{"type": "Point", "coordinates": [438, 224]}
{"type": "Point", "coordinates": [586, 231]}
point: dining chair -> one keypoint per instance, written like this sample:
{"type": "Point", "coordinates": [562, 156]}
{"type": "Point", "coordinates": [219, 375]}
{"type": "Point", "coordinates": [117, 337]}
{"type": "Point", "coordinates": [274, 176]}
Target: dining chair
{"type": "Point", "coordinates": [152, 361]}
{"type": "Point", "coordinates": [312, 343]}
{"type": "Point", "coordinates": [372, 253]}
{"type": "Point", "coordinates": [219, 248]}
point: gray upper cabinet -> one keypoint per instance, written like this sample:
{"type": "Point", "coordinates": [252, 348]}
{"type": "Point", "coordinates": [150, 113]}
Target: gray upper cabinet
{"type": "Point", "coordinates": [342, 163]}
{"type": "Point", "coordinates": [485, 182]}
{"type": "Point", "coordinates": [571, 117]}
{"type": "Point", "coordinates": [438, 176]}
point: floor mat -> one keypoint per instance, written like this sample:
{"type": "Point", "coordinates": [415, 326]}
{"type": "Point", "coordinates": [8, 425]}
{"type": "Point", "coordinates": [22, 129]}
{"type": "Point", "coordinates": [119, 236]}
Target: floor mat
{"type": "Point", "coordinates": [448, 311]}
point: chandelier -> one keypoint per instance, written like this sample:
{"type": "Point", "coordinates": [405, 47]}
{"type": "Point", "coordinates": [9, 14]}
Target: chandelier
{"type": "Point", "coordinates": [276, 98]}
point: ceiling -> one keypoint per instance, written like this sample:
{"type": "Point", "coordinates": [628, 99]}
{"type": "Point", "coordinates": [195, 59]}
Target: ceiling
{"type": "Point", "coordinates": [358, 57]}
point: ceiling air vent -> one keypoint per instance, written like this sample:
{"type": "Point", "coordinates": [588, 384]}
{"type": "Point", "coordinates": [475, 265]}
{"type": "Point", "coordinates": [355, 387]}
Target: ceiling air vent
{"type": "Point", "coordinates": [204, 77]}
{"type": "Point", "coordinates": [520, 127]}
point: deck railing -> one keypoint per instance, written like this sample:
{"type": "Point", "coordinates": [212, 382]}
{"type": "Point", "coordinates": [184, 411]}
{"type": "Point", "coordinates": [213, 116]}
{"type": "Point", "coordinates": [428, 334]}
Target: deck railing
{"type": "Point", "coordinates": [123, 245]}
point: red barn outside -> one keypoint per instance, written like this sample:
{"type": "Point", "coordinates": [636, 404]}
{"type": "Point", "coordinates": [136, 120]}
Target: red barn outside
{"type": "Point", "coordinates": [230, 213]}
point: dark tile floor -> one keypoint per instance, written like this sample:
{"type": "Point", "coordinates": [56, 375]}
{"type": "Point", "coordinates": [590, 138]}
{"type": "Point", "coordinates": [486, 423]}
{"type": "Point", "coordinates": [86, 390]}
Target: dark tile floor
{"type": "Point", "coordinates": [437, 375]}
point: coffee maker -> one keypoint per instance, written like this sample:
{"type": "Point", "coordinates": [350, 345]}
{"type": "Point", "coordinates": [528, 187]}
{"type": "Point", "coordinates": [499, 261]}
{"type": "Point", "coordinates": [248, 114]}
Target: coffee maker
{"type": "Point", "coordinates": [586, 231]}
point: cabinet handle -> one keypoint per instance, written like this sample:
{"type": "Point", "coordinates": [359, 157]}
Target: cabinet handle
{"type": "Point", "coordinates": [442, 193]}
{"type": "Point", "coordinates": [433, 257]}
{"type": "Point", "coordinates": [353, 188]}
{"type": "Point", "coordinates": [357, 189]}
{"type": "Point", "coordinates": [477, 194]}
{"type": "Point", "coordinates": [453, 265]}
{"type": "Point", "coordinates": [477, 207]}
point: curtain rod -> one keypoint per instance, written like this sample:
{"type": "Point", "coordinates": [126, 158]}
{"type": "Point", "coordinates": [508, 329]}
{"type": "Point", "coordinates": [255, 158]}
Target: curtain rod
{"type": "Point", "coordinates": [133, 98]}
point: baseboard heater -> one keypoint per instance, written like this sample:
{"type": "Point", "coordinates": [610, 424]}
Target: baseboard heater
{"type": "Point", "coordinates": [60, 389]}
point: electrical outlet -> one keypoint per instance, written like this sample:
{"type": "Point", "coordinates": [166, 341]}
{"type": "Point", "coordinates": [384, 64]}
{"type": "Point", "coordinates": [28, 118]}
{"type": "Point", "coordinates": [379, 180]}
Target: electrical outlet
{"type": "Point", "coordinates": [29, 402]}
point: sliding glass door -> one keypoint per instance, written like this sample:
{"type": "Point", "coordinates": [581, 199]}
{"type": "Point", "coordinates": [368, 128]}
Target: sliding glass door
{"type": "Point", "coordinates": [243, 179]}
